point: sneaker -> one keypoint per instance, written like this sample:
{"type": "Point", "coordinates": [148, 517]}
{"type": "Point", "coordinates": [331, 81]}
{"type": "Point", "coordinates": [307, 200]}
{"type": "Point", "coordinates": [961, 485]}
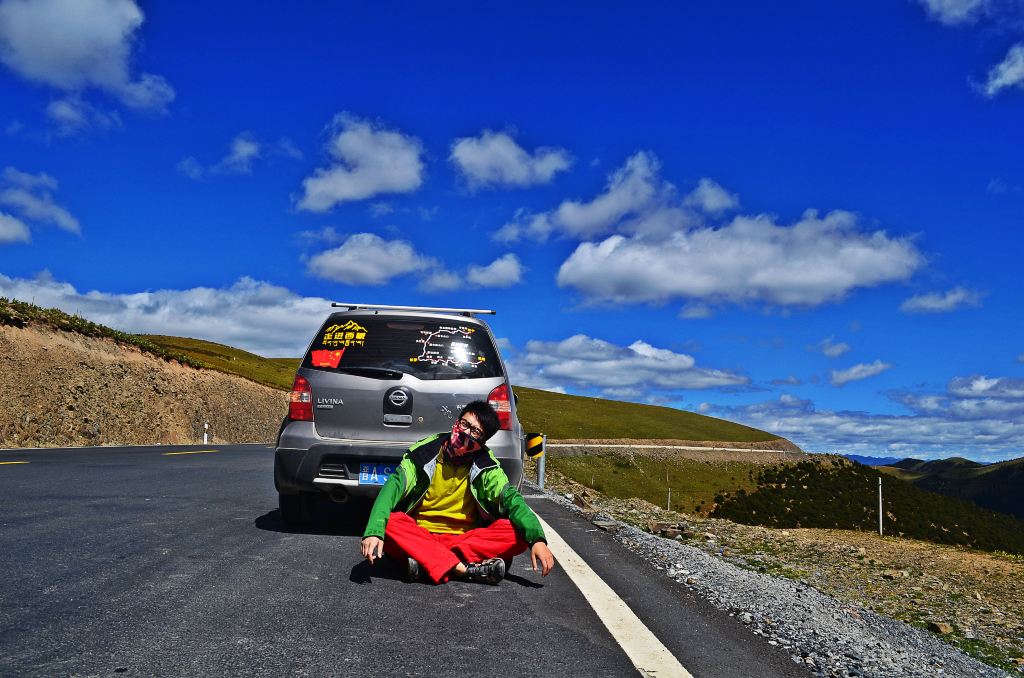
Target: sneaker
{"type": "Point", "coordinates": [412, 570]}
{"type": "Point", "coordinates": [490, 571]}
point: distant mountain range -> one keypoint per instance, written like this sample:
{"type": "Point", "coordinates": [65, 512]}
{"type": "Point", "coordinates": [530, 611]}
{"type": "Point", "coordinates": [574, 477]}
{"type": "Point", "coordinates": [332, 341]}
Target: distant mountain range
{"type": "Point", "coordinates": [873, 461]}
{"type": "Point", "coordinates": [993, 486]}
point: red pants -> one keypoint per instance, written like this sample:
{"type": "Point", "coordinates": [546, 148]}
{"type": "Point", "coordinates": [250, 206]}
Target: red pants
{"type": "Point", "coordinates": [437, 553]}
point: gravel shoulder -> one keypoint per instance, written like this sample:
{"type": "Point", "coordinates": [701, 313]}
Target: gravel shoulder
{"type": "Point", "coordinates": [842, 603]}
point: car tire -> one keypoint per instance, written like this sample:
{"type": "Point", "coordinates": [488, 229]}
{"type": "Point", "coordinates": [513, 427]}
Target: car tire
{"type": "Point", "coordinates": [296, 509]}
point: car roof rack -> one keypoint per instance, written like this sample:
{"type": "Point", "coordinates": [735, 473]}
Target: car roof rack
{"type": "Point", "coordinates": [460, 311]}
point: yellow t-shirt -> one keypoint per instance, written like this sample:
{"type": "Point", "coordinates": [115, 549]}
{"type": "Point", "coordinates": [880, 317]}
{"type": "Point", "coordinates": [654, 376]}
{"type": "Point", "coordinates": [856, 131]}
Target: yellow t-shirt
{"type": "Point", "coordinates": [448, 506]}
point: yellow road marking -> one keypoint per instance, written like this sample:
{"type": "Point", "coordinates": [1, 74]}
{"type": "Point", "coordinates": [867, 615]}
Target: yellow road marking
{"type": "Point", "coordinates": [6, 463]}
{"type": "Point", "coordinates": [171, 454]}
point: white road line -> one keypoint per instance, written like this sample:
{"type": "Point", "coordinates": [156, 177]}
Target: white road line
{"type": "Point", "coordinates": [648, 654]}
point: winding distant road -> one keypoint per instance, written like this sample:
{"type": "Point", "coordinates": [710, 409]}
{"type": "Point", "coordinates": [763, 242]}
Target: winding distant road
{"type": "Point", "coordinates": [174, 561]}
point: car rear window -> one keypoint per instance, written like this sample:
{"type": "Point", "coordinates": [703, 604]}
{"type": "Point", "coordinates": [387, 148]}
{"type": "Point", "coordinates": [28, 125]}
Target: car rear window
{"type": "Point", "coordinates": [426, 349]}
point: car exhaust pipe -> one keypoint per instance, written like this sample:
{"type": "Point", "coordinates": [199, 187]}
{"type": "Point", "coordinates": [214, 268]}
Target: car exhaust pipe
{"type": "Point", "coordinates": [339, 495]}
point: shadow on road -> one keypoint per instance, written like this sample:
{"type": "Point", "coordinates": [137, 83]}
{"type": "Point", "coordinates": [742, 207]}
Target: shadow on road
{"type": "Point", "coordinates": [328, 518]}
{"type": "Point", "coordinates": [386, 568]}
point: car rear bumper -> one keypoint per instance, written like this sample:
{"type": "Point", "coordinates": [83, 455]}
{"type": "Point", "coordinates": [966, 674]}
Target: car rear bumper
{"type": "Point", "coordinates": [305, 462]}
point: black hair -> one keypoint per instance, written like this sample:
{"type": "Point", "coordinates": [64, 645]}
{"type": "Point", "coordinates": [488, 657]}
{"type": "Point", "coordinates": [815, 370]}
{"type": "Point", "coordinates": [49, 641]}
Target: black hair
{"type": "Point", "coordinates": [485, 414]}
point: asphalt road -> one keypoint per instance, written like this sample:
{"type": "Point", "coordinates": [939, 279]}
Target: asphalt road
{"type": "Point", "coordinates": [134, 561]}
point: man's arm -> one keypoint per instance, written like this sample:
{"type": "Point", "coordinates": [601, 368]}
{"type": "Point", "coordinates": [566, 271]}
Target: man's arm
{"type": "Point", "coordinates": [372, 544]}
{"type": "Point", "coordinates": [525, 520]}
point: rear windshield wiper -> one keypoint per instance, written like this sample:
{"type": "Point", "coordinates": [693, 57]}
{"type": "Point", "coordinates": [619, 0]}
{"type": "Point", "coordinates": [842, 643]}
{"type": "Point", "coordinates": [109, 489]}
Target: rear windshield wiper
{"type": "Point", "coordinates": [374, 372]}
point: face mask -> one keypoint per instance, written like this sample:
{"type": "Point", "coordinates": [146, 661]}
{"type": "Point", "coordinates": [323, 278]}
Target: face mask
{"type": "Point", "coordinates": [461, 443]}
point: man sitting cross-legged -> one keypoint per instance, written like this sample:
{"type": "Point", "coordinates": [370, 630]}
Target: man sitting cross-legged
{"type": "Point", "coordinates": [449, 510]}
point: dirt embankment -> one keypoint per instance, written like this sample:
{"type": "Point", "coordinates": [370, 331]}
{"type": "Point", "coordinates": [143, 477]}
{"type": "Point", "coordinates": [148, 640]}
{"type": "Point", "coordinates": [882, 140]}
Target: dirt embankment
{"type": "Point", "coordinates": [63, 389]}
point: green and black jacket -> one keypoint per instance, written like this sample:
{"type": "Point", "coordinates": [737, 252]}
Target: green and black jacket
{"type": "Point", "coordinates": [494, 495]}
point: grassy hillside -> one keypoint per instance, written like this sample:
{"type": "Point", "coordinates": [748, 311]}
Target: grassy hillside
{"type": "Point", "coordinates": [832, 492]}
{"type": "Point", "coordinates": [566, 416]}
{"type": "Point", "coordinates": [993, 486]}
{"type": "Point", "coordinates": [274, 372]}
{"type": "Point", "coordinates": [694, 482]}
{"type": "Point", "coordinates": [21, 314]}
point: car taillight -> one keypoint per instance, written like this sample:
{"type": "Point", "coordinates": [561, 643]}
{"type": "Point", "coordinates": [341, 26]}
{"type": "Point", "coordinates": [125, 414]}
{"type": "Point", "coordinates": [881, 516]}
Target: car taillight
{"type": "Point", "coordinates": [300, 405]}
{"type": "Point", "coordinates": [498, 399]}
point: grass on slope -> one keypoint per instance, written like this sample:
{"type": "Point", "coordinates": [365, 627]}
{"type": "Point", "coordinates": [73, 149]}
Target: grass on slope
{"type": "Point", "coordinates": [835, 493]}
{"type": "Point", "coordinates": [694, 483]}
{"type": "Point", "coordinates": [565, 416]}
{"type": "Point", "coordinates": [277, 373]}
{"type": "Point", "coordinates": [994, 486]}
{"type": "Point", "coordinates": [21, 314]}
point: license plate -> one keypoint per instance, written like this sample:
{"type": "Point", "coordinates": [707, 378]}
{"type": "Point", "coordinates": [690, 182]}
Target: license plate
{"type": "Point", "coordinates": [375, 474]}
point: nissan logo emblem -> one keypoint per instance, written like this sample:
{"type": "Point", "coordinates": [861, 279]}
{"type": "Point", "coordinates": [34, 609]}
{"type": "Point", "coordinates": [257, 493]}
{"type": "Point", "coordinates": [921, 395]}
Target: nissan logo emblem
{"type": "Point", "coordinates": [398, 398]}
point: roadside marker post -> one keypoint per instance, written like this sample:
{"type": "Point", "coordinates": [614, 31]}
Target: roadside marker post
{"type": "Point", "coordinates": [536, 444]}
{"type": "Point", "coordinates": [880, 506]}
{"type": "Point", "coordinates": [206, 435]}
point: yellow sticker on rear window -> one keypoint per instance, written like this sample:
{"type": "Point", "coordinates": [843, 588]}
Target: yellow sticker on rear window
{"type": "Point", "coordinates": [347, 335]}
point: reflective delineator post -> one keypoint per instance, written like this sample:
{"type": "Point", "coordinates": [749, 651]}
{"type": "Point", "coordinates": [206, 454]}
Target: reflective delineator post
{"type": "Point", "coordinates": [540, 471]}
{"type": "Point", "coordinates": [879, 506]}
{"type": "Point", "coordinates": [206, 435]}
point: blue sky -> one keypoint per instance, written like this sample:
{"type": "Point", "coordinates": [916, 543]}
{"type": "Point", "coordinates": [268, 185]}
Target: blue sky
{"type": "Point", "coordinates": [803, 218]}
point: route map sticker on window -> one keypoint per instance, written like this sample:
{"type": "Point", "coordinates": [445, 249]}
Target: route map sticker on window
{"type": "Point", "coordinates": [448, 345]}
{"type": "Point", "coordinates": [344, 336]}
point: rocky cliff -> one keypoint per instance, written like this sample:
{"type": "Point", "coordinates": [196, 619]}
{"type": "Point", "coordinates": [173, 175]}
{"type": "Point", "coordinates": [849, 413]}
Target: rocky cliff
{"type": "Point", "coordinates": [64, 389]}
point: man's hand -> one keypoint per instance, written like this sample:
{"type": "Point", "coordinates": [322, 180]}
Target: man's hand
{"type": "Point", "coordinates": [372, 547]}
{"type": "Point", "coordinates": [540, 553]}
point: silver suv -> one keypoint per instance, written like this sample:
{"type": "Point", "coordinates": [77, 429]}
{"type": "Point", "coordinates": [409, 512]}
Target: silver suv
{"type": "Point", "coordinates": [376, 379]}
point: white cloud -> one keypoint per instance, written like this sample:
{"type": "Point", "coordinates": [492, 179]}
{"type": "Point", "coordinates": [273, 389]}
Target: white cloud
{"type": "Point", "coordinates": [831, 349]}
{"type": "Point", "coordinates": [710, 197]}
{"type": "Point", "coordinates": [494, 159]}
{"type": "Point", "coordinates": [978, 417]}
{"type": "Point", "coordinates": [441, 280]}
{"type": "Point", "coordinates": [953, 12]}
{"type": "Point", "coordinates": [525, 225]}
{"type": "Point", "coordinates": [695, 311]}
{"type": "Point", "coordinates": [978, 386]}
{"type": "Point", "coordinates": [936, 302]}
{"type": "Point", "coordinates": [788, 381]}
{"type": "Point", "coordinates": [191, 168]}
{"type": "Point", "coordinates": [369, 161]}
{"type": "Point", "coordinates": [368, 259]}
{"type": "Point", "coordinates": [857, 372]}
{"type": "Point", "coordinates": [583, 362]}
{"type": "Point", "coordinates": [1020, 358]}
{"type": "Point", "coordinates": [635, 200]}
{"type": "Point", "coordinates": [72, 115]}
{"type": "Point", "coordinates": [504, 271]}
{"type": "Point", "coordinates": [1007, 73]}
{"type": "Point", "coordinates": [630, 189]}
{"type": "Point", "coordinates": [244, 150]}
{"type": "Point", "coordinates": [73, 45]}
{"type": "Point", "coordinates": [752, 259]}
{"type": "Point", "coordinates": [997, 186]}
{"type": "Point", "coordinates": [12, 230]}
{"type": "Point", "coordinates": [29, 195]}
{"type": "Point", "coordinates": [253, 315]}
